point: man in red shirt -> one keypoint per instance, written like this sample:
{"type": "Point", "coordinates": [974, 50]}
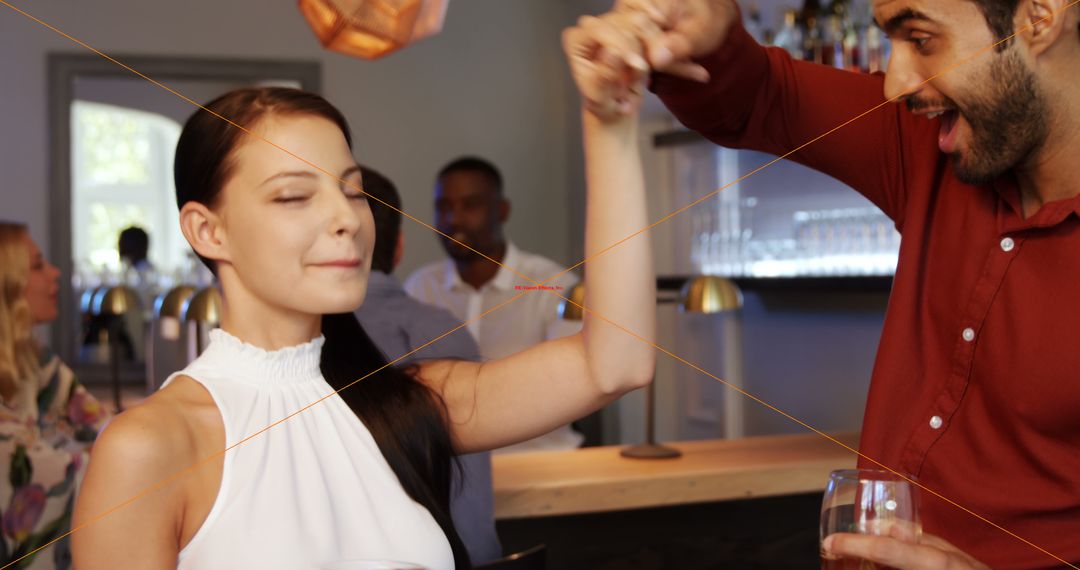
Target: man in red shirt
{"type": "Point", "coordinates": [976, 387]}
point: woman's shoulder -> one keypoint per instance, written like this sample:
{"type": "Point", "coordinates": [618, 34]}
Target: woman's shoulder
{"type": "Point", "coordinates": [142, 461]}
{"type": "Point", "coordinates": [167, 428]}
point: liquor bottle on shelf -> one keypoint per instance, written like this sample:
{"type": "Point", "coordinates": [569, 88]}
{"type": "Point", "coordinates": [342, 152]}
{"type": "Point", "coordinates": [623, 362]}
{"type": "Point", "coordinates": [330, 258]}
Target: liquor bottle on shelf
{"type": "Point", "coordinates": [839, 8]}
{"type": "Point", "coordinates": [842, 36]}
{"type": "Point", "coordinates": [875, 52]}
{"type": "Point", "coordinates": [813, 46]}
{"type": "Point", "coordinates": [810, 21]}
{"type": "Point", "coordinates": [833, 43]}
{"type": "Point", "coordinates": [852, 53]}
{"type": "Point", "coordinates": [753, 24]}
{"type": "Point", "coordinates": [811, 10]}
{"type": "Point", "coordinates": [790, 37]}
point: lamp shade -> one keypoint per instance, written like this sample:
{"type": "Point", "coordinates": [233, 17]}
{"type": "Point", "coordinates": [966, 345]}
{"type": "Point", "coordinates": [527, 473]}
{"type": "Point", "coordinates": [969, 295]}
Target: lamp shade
{"type": "Point", "coordinates": [373, 28]}
{"type": "Point", "coordinates": [204, 306]}
{"type": "Point", "coordinates": [86, 301]}
{"type": "Point", "coordinates": [710, 294]}
{"type": "Point", "coordinates": [116, 300]}
{"type": "Point", "coordinates": [571, 311]}
{"type": "Point", "coordinates": [171, 304]}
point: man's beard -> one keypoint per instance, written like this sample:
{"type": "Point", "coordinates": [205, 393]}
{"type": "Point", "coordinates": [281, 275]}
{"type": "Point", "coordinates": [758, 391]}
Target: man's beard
{"type": "Point", "coordinates": [1009, 121]}
{"type": "Point", "coordinates": [459, 252]}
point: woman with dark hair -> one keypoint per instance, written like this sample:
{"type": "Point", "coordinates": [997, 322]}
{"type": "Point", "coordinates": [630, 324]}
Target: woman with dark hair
{"type": "Point", "coordinates": [271, 201]}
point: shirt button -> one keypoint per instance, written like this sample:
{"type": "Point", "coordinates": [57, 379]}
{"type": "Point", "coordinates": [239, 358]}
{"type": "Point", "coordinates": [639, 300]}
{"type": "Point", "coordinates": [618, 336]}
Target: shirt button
{"type": "Point", "coordinates": [1007, 244]}
{"type": "Point", "coordinates": [935, 422]}
{"type": "Point", "coordinates": [969, 334]}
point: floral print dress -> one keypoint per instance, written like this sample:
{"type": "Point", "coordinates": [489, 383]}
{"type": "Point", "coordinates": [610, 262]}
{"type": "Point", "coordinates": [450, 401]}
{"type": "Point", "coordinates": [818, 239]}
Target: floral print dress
{"type": "Point", "coordinates": [44, 449]}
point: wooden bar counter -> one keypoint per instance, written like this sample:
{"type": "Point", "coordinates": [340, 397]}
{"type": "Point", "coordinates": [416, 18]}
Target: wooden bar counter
{"type": "Point", "coordinates": [598, 479]}
{"type": "Point", "coordinates": [747, 503]}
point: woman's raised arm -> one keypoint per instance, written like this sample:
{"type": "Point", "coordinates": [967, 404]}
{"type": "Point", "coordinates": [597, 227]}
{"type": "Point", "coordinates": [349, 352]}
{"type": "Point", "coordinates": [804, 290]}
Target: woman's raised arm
{"type": "Point", "coordinates": [531, 393]}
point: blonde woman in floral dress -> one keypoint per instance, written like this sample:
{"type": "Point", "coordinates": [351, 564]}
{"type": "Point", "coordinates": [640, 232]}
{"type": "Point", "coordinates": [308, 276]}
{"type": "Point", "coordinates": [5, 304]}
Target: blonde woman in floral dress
{"type": "Point", "coordinates": [47, 419]}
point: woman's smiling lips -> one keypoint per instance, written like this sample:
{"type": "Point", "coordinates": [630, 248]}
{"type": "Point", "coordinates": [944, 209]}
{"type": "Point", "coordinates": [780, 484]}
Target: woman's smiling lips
{"type": "Point", "coordinates": [340, 263]}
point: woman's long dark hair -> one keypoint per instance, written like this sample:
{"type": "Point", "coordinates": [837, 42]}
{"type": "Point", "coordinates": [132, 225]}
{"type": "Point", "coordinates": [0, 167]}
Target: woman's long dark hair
{"type": "Point", "coordinates": [407, 419]}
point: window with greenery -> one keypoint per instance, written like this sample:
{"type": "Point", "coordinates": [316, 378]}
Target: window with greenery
{"type": "Point", "coordinates": [122, 176]}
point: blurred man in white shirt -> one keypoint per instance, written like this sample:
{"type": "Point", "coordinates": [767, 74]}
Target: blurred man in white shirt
{"type": "Point", "coordinates": [470, 207]}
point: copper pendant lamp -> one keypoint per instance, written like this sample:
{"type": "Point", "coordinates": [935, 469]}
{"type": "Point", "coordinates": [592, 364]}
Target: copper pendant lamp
{"type": "Point", "coordinates": [371, 29]}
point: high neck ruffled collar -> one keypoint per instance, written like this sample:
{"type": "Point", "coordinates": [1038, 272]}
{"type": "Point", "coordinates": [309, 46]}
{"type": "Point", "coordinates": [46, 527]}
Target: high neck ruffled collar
{"type": "Point", "coordinates": [250, 363]}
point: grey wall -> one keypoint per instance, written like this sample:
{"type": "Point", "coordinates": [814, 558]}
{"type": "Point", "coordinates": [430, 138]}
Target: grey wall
{"type": "Point", "coordinates": [493, 83]}
{"type": "Point", "coordinates": [810, 354]}
{"type": "Point", "coordinates": [137, 93]}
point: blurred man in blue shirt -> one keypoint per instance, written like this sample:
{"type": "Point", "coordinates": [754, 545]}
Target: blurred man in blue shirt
{"type": "Point", "coordinates": [398, 324]}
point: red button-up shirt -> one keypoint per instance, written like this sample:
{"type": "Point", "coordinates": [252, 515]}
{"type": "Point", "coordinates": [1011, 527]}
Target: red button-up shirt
{"type": "Point", "coordinates": [976, 386]}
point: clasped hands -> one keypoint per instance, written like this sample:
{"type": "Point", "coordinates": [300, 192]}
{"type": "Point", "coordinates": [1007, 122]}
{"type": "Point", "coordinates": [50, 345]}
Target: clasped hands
{"type": "Point", "coordinates": [612, 54]}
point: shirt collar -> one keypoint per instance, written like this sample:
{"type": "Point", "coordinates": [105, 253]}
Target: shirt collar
{"type": "Point", "coordinates": [503, 280]}
{"type": "Point", "coordinates": [1012, 217]}
{"type": "Point", "coordinates": [511, 266]}
{"type": "Point", "coordinates": [451, 279]}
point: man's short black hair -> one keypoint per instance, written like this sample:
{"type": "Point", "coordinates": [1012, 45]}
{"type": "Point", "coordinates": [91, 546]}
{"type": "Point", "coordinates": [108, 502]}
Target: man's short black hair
{"type": "Point", "coordinates": [999, 16]}
{"type": "Point", "coordinates": [387, 220]}
{"type": "Point", "coordinates": [134, 244]}
{"type": "Point", "coordinates": [475, 164]}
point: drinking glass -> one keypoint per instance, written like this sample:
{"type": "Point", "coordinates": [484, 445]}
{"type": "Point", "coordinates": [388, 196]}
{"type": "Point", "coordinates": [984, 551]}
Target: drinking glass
{"type": "Point", "coordinates": [865, 501]}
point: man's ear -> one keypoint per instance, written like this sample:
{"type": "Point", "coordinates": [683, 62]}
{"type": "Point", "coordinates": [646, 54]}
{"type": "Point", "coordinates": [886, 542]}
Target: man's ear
{"type": "Point", "coordinates": [203, 230]}
{"type": "Point", "coordinates": [399, 250]}
{"type": "Point", "coordinates": [1043, 22]}
{"type": "Point", "coordinates": [504, 210]}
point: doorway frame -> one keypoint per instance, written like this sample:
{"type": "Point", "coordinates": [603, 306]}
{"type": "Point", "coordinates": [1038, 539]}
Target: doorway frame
{"type": "Point", "coordinates": [63, 69]}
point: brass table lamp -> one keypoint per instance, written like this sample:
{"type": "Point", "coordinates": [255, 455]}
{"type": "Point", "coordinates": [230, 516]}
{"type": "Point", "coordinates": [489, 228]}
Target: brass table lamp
{"type": "Point", "coordinates": [573, 311]}
{"type": "Point", "coordinates": [171, 304]}
{"type": "Point", "coordinates": [164, 330]}
{"type": "Point", "coordinates": [201, 312]}
{"type": "Point", "coordinates": [114, 303]}
{"type": "Point", "coordinates": [115, 300]}
{"type": "Point", "coordinates": [705, 294]}
{"type": "Point", "coordinates": [86, 301]}
{"type": "Point", "coordinates": [710, 294]}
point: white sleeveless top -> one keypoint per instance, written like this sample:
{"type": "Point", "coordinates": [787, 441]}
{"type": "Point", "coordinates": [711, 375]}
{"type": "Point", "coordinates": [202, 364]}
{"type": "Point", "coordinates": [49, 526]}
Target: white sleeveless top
{"type": "Point", "coordinates": [310, 491]}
